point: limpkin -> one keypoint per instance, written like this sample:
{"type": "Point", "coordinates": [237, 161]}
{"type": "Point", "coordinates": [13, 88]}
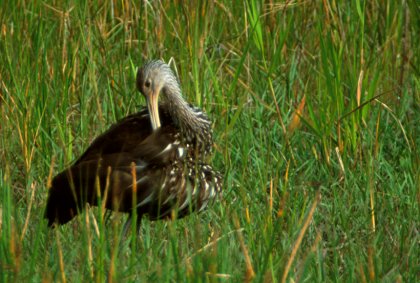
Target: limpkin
{"type": "Point", "coordinates": [152, 162]}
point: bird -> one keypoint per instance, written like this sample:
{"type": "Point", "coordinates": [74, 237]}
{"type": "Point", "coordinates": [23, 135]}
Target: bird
{"type": "Point", "coordinates": [152, 163]}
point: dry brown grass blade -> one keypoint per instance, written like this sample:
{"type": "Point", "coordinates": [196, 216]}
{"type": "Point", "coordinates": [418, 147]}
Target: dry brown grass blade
{"type": "Point", "coordinates": [295, 122]}
{"type": "Point", "coordinates": [250, 273]}
{"type": "Point", "coordinates": [107, 184]}
{"type": "Point", "coordinates": [300, 237]}
{"type": "Point", "coordinates": [60, 258]}
{"type": "Point", "coordinates": [212, 243]}
{"type": "Point", "coordinates": [50, 173]}
{"type": "Point", "coordinates": [31, 201]}
{"type": "Point", "coordinates": [340, 162]}
{"type": "Point", "coordinates": [359, 88]}
{"type": "Point", "coordinates": [89, 245]}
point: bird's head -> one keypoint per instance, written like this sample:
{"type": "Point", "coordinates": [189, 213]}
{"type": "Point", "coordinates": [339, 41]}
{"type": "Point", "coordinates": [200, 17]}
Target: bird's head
{"type": "Point", "coordinates": [153, 79]}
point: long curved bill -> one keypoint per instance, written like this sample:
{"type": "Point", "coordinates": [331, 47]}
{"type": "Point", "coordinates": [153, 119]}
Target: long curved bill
{"type": "Point", "coordinates": [152, 105]}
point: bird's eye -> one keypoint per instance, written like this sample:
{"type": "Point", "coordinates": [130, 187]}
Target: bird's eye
{"type": "Point", "coordinates": [147, 84]}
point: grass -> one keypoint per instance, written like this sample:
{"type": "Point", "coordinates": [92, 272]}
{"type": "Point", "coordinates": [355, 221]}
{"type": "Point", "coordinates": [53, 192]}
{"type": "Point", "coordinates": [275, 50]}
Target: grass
{"type": "Point", "coordinates": [316, 111]}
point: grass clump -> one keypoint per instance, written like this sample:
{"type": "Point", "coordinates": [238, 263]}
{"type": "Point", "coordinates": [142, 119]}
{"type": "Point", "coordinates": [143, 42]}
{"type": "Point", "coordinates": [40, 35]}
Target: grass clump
{"type": "Point", "coordinates": [316, 111]}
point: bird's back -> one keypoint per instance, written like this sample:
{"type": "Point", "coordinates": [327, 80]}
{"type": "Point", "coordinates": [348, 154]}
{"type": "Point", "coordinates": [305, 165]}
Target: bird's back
{"type": "Point", "coordinates": [130, 164]}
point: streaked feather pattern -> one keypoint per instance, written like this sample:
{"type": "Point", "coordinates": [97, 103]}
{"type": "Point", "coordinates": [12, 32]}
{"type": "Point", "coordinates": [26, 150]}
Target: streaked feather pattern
{"type": "Point", "coordinates": [157, 172]}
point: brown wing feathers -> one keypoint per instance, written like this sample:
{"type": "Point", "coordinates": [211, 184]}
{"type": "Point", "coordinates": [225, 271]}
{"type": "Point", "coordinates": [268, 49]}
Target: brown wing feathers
{"type": "Point", "coordinates": [168, 161]}
{"type": "Point", "coordinates": [109, 161]}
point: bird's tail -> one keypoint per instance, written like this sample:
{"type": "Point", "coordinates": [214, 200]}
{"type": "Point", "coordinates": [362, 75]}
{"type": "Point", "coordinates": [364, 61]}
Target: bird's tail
{"type": "Point", "coordinates": [70, 191]}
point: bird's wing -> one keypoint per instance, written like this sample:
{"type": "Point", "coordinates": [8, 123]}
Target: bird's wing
{"type": "Point", "coordinates": [111, 158]}
{"type": "Point", "coordinates": [120, 137]}
{"type": "Point", "coordinates": [134, 135]}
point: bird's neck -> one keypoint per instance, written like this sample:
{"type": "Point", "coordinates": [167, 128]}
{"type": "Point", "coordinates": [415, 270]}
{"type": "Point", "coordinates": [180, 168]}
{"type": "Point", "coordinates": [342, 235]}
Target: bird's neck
{"type": "Point", "coordinates": [194, 125]}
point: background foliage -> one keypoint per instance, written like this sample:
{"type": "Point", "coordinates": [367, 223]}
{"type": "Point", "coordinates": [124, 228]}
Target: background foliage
{"type": "Point", "coordinates": [316, 111]}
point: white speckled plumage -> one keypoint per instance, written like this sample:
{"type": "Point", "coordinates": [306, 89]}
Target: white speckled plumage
{"type": "Point", "coordinates": [165, 144]}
